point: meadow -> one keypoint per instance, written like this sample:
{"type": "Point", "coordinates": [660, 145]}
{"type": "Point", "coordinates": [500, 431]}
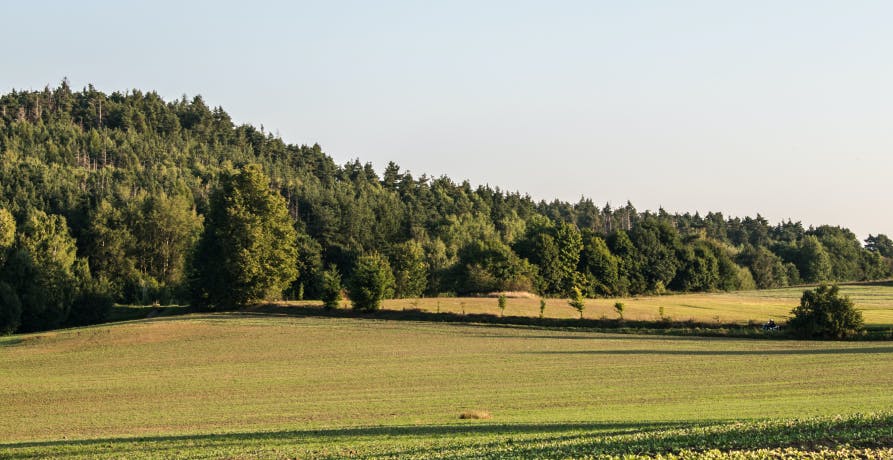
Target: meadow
{"type": "Point", "coordinates": [251, 385]}
{"type": "Point", "coordinates": [875, 300]}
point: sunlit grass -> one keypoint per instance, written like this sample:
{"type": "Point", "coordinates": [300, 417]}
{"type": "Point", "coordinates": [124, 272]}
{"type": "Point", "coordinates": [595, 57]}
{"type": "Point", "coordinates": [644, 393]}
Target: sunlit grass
{"type": "Point", "coordinates": [397, 389]}
{"type": "Point", "coordinates": [874, 300]}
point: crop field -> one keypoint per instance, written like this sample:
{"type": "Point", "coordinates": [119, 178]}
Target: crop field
{"type": "Point", "coordinates": [274, 386]}
{"type": "Point", "coordinates": [875, 300]}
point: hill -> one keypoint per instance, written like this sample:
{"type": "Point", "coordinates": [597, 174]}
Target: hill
{"type": "Point", "coordinates": [121, 185]}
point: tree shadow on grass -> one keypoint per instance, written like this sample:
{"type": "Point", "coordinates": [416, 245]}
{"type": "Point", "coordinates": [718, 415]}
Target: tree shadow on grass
{"type": "Point", "coordinates": [474, 440]}
{"type": "Point", "coordinates": [821, 351]}
{"type": "Point", "coordinates": [396, 431]}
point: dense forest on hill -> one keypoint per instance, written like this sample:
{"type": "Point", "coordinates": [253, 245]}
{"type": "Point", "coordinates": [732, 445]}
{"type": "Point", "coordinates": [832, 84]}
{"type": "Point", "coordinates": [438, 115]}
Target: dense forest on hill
{"type": "Point", "coordinates": [104, 196]}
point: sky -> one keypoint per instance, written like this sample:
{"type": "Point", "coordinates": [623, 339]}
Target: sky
{"type": "Point", "coordinates": [782, 108]}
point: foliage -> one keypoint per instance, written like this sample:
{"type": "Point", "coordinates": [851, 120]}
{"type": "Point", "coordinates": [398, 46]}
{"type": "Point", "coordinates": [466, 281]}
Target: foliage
{"type": "Point", "coordinates": [41, 271]}
{"type": "Point", "coordinates": [767, 269]}
{"type": "Point", "coordinates": [137, 182]}
{"type": "Point", "coordinates": [618, 307]}
{"type": "Point", "coordinates": [410, 269]}
{"type": "Point", "coordinates": [92, 305]}
{"type": "Point", "coordinates": [576, 301]}
{"type": "Point", "coordinates": [7, 232]}
{"type": "Point", "coordinates": [542, 307]}
{"type": "Point", "coordinates": [10, 309]}
{"type": "Point", "coordinates": [501, 303]}
{"type": "Point", "coordinates": [371, 282]}
{"type": "Point", "coordinates": [488, 266]}
{"type": "Point", "coordinates": [331, 288]}
{"type": "Point", "coordinates": [814, 262]}
{"type": "Point", "coordinates": [823, 313]}
{"type": "Point", "coordinates": [247, 252]}
{"type": "Point", "coordinates": [602, 268]}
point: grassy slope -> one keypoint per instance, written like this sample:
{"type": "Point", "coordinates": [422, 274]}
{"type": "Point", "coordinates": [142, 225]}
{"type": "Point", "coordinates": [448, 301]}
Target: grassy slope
{"type": "Point", "coordinates": [875, 301]}
{"type": "Point", "coordinates": [330, 386]}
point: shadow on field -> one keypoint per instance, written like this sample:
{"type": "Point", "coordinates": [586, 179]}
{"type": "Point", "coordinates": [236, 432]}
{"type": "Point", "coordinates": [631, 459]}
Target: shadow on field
{"type": "Point", "coordinates": [823, 351]}
{"type": "Point", "coordinates": [603, 325]}
{"type": "Point", "coordinates": [323, 435]}
{"type": "Point", "coordinates": [495, 440]}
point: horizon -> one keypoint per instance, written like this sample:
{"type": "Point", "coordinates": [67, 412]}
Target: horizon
{"type": "Point", "coordinates": [743, 109]}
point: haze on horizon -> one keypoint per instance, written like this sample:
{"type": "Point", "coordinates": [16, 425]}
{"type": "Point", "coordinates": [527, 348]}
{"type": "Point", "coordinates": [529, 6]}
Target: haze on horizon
{"type": "Point", "coordinates": [739, 107]}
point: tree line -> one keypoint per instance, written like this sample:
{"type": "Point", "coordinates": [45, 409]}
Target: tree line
{"type": "Point", "coordinates": [118, 198]}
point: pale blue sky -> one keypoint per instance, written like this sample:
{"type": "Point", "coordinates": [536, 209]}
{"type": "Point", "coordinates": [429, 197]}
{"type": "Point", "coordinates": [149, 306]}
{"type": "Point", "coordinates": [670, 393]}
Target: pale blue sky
{"type": "Point", "coordinates": [778, 107]}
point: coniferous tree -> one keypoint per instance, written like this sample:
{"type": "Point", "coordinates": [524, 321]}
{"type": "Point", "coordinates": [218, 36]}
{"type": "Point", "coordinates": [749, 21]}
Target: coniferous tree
{"type": "Point", "coordinates": [371, 282]}
{"type": "Point", "coordinates": [331, 288]}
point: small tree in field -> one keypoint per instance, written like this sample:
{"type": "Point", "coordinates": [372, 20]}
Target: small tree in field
{"type": "Point", "coordinates": [542, 307]}
{"type": "Point", "coordinates": [576, 300]}
{"type": "Point", "coordinates": [618, 307]}
{"type": "Point", "coordinates": [824, 314]}
{"type": "Point", "coordinates": [371, 282]}
{"type": "Point", "coordinates": [331, 288]}
{"type": "Point", "coordinates": [501, 302]}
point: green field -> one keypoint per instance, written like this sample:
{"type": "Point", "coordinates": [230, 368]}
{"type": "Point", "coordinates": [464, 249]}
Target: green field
{"type": "Point", "coordinates": [874, 299]}
{"type": "Point", "coordinates": [264, 385]}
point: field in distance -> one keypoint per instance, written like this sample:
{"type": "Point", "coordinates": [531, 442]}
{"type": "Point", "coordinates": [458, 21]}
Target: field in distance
{"type": "Point", "coordinates": [875, 300]}
{"type": "Point", "coordinates": [251, 385]}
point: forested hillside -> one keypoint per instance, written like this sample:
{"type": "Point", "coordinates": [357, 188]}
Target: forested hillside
{"type": "Point", "coordinates": [104, 196]}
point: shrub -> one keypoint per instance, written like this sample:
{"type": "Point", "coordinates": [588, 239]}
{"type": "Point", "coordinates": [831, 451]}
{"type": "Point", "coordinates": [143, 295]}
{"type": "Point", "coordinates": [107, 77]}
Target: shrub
{"type": "Point", "coordinates": [501, 302]}
{"type": "Point", "coordinates": [91, 306]}
{"type": "Point", "coordinates": [824, 314]}
{"type": "Point", "coordinates": [618, 307]}
{"type": "Point", "coordinates": [576, 300]}
{"type": "Point", "coordinates": [371, 282]}
{"type": "Point", "coordinates": [331, 288]}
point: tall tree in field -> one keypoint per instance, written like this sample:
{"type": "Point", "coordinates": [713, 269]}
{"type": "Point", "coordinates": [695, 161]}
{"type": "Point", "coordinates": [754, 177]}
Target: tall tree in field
{"type": "Point", "coordinates": [247, 251]}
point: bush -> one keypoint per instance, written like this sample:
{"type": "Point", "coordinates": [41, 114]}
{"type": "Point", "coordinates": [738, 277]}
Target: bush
{"type": "Point", "coordinates": [824, 314]}
{"type": "Point", "coordinates": [371, 282]}
{"type": "Point", "coordinates": [331, 288]}
{"type": "Point", "coordinates": [91, 306]}
{"type": "Point", "coordinates": [618, 307]}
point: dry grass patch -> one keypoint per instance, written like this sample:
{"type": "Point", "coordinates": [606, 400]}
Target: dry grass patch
{"type": "Point", "coordinates": [475, 415]}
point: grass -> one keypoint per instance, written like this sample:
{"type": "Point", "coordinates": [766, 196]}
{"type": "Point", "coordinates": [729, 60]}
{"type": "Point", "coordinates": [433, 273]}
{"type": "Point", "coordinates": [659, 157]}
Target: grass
{"type": "Point", "coordinates": [874, 299]}
{"type": "Point", "coordinates": [260, 385]}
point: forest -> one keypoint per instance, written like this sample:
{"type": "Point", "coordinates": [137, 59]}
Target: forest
{"type": "Point", "coordinates": [109, 198]}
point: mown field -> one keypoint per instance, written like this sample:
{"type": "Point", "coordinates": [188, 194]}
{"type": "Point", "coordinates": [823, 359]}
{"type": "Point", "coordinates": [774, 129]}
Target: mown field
{"type": "Point", "coordinates": [260, 385]}
{"type": "Point", "coordinates": [874, 299]}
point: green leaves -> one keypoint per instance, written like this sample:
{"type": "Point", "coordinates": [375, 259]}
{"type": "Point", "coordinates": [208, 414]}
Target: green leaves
{"type": "Point", "coordinates": [823, 313]}
{"type": "Point", "coordinates": [248, 250]}
{"type": "Point", "coordinates": [371, 282]}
